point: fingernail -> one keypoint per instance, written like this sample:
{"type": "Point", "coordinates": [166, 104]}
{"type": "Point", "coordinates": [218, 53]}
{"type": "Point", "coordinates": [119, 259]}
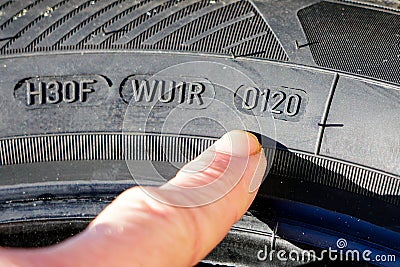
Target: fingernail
{"type": "Point", "coordinates": [258, 175]}
{"type": "Point", "coordinates": [238, 144]}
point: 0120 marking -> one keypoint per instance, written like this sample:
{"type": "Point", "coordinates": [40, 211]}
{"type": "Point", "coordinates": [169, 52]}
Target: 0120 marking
{"type": "Point", "coordinates": [282, 102]}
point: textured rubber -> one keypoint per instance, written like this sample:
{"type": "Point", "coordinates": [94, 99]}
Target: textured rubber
{"type": "Point", "coordinates": [85, 112]}
{"type": "Point", "coordinates": [125, 25]}
{"type": "Point", "coordinates": [341, 42]}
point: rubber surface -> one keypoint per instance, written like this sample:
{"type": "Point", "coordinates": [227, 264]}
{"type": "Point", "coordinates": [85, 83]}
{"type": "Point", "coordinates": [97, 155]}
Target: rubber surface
{"type": "Point", "coordinates": [83, 93]}
{"type": "Point", "coordinates": [339, 41]}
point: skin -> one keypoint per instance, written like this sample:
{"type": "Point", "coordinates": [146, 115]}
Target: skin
{"type": "Point", "coordinates": [177, 224]}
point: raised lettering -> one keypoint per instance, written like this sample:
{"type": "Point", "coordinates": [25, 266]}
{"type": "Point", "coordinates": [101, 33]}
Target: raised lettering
{"type": "Point", "coordinates": [32, 92]}
{"type": "Point", "coordinates": [54, 88]}
{"type": "Point", "coordinates": [250, 98]}
{"type": "Point", "coordinates": [144, 89]}
{"type": "Point", "coordinates": [280, 102]}
{"type": "Point", "coordinates": [63, 90]}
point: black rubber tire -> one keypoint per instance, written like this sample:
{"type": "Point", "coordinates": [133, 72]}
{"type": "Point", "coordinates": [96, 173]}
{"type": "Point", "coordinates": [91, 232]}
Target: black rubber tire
{"type": "Point", "coordinates": [304, 75]}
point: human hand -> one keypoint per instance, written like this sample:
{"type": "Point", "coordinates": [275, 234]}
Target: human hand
{"type": "Point", "coordinates": [140, 228]}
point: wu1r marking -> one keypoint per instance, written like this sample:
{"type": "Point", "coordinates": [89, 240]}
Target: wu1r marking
{"type": "Point", "coordinates": [167, 92]}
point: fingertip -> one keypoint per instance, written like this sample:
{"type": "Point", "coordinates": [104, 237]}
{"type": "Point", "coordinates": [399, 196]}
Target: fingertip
{"type": "Point", "coordinates": [244, 144]}
{"type": "Point", "coordinates": [238, 144]}
{"type": "Point", "coordinates": [259, 173]}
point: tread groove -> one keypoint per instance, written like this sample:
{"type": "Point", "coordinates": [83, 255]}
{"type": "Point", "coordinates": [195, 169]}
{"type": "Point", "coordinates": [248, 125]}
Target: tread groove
{"type": "Point", "coordinates": [219, 27]}
{"type": "Point", "coordinates": [55, 25]}
{"type": "Point", "coordinates": [19, 13]}
{"type": "Point", "coordinates": [30, 25]}
{"type": "Point", "coordinates": [86, 21]}
{"type": "Point", "coordinates": [171, 25]}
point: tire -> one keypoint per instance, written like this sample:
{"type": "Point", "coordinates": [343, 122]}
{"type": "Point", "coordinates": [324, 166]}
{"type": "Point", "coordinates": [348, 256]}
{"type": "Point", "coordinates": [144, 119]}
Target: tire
{"type": "Point", "coordinates": [83, 114]}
